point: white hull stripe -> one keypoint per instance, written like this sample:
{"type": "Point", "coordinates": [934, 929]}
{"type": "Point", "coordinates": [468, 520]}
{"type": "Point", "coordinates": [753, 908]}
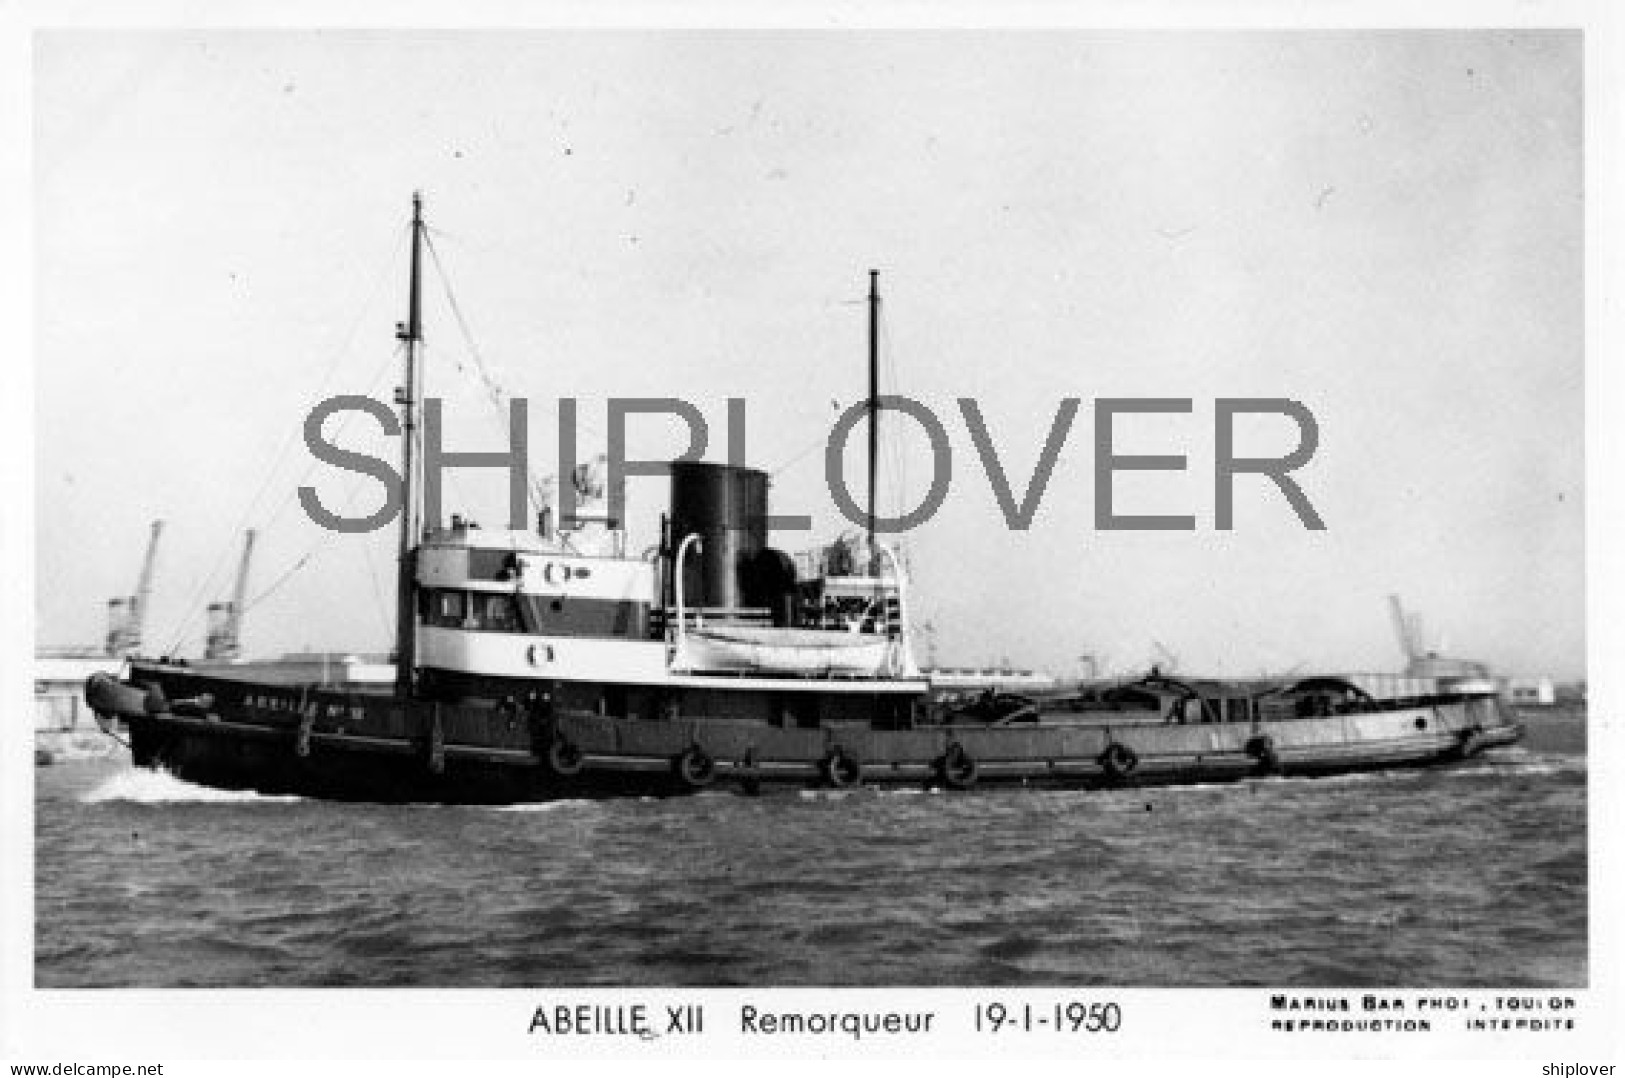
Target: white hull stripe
{"type": "Point", "coordinates": [600, 661]}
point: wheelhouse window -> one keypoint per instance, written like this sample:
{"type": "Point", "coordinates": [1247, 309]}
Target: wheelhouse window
{"type": "Point", "coordinates": [451, 609]}
{"type": "Point", "coordinates": [496, 612]}
{"type": "Point", "coordinates": [448, 608]}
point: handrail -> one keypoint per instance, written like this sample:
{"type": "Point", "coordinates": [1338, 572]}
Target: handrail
{"type": "Point", "coordinates": [681, 636]}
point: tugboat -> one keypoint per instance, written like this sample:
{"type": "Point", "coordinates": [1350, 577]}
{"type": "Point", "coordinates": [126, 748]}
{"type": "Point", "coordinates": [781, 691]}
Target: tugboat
{"type": "Point", "coordinates": [548, 664]}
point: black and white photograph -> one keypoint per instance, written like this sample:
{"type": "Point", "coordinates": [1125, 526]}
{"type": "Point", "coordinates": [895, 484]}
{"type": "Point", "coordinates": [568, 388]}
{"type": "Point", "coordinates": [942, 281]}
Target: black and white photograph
{"type": "Point", "coordinates": [811, 536]}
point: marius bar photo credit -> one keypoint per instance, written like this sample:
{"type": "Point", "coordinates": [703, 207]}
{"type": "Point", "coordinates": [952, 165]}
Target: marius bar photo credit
{"type": "Point", "coordinates": [1049, 514]}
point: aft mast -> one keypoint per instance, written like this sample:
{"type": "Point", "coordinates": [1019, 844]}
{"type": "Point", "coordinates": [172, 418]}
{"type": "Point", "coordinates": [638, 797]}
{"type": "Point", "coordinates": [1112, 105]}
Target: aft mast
{"type": "Point", "coordinates": [410, 332]}
{"type": "Point", "coordinates": [872, 569]}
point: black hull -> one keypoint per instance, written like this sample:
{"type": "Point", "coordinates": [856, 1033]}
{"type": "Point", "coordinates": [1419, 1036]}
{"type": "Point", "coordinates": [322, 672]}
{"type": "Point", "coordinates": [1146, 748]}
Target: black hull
{"type": "Point", "coordinates": [277, 740]}
{"type": "Point", "coordinates": [232, 759]}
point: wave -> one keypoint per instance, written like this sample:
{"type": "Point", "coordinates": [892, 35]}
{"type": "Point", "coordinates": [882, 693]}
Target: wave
{"type": "Point", "coordinates": [151, 786]}
{"type": "Point", "coordinates": [1497, 762]}
{"type": "Point", "coordinates": [565, 805]}
{"type": "Point", "coordinates": [1549, 765]}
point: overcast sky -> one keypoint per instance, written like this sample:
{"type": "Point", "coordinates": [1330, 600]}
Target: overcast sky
{"type": "Point", "coordinates": [1387, 227]}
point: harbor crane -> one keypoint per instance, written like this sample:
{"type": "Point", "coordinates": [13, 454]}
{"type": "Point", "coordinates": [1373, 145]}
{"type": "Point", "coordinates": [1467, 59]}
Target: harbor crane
{"type": "Point", "coordinates": [1427, 656]}
{"type": "Point", "coordinates": [1409, 630]}
{"type": "Point", "coordinates": [127, 614]}
{"type": "Point", "coordinates": [224, 640]}
{"type": "Point", "coordinates": [1169, 662]}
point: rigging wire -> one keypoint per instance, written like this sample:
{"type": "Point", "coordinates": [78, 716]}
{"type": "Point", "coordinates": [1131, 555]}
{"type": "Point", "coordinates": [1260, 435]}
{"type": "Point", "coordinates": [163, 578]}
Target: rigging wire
{"type": "Point", "coordinates": [892, 382]}
{"type": "Point", "coordinates": [279, 581]}
{"type": "Point", "coordinates": [332, 368]}
{"type": "Point", "coordinates": [316, 548]}
{"type": "Point", "coordinates": [195, 604]}
{"type": "Point", "coordinates": [822, 439]}
{"type": "Point", "coordinates": [386, 613]}
{"type": "Point", "coordinates": [322, 543]}
{"type": "Point", "coordinates": [494, 391]}
{"type": "Point", "coordinates": [539, 492]}
{"type": "Point", "coordinates": [196, 599]}
{"type": "Point", "coordinates": [536, 488]}
{"type": "Point", "coordinates": [379, 376]}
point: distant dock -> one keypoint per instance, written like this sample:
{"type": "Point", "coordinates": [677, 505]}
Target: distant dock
{"type": "Point", "coordinates": [64, 727]}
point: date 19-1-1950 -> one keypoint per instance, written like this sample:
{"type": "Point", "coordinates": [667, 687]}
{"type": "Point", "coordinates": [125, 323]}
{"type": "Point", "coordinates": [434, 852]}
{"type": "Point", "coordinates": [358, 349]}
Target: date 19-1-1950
{"type": "Point", "coordinates": [1075, 1016]}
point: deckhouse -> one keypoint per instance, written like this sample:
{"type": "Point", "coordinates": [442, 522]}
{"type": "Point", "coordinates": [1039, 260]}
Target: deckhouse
{"type": "Point", "coordinates": [710, 621]}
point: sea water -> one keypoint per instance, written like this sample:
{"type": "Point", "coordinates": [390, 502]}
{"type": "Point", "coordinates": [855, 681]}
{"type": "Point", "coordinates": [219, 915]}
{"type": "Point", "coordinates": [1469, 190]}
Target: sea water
{"type": "Point", "coordinates": [1469, 875]}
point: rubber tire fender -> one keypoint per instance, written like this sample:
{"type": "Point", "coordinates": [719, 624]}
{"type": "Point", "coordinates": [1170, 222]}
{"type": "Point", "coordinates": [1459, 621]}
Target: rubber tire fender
{"type": "Point", "coordinates": [1262, 748]}
{"type": "Point", "coordinates": [1118, 760]}
{"type": "Point", "coordinates": [841, 770]}
{"type": "Point", "coordinates": [957, 768]}
{"type": "Point", "coordinates": [695, 768]}
{"type": "Point", "coordinates": [563, 758]}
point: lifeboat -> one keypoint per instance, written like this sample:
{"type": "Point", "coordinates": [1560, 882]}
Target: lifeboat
{"type": "Point", "coordinates": [803, 652]}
